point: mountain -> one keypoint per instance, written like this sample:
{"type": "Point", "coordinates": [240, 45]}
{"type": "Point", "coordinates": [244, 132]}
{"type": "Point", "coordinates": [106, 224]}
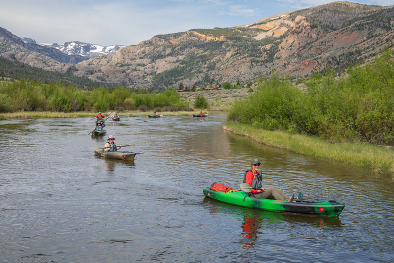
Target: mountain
{"type": "Point", "coordinates": [77, 48]}
{"type": "Point", "coordinates": [297, 43]}
{"type": "Point", "coordinates": [29, 52]}
{"type": "Point", "coordinates": [49, 56]}
{"type": "Point", "coordinates": [84, 49]}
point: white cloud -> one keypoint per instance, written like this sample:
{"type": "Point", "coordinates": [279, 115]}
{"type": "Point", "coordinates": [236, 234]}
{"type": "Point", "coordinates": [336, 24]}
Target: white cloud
{"type": "Point", "coordinates": [239, 10]}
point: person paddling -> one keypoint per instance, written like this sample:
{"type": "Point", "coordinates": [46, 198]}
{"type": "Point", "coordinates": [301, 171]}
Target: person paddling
{"type": "Point", "coordinates": [110, 145]}
{"type": "Point", "coordinates": [254, 179]}
{"type": "Point", "coordinates": [100, 119]}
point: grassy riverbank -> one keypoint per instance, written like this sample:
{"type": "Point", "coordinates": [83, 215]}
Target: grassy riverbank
{"type": "Point", "coordinates": [378, 159]}
{"type": "Point", "coordinates": [82, 114]}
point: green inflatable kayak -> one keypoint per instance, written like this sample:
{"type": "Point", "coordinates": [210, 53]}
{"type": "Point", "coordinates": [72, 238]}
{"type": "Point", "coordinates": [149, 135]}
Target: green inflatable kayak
{"type": "Point", "coordinates": [241, 198]}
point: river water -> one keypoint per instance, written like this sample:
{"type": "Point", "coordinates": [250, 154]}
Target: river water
{"type": "Point", "coordinates": [61, 203]}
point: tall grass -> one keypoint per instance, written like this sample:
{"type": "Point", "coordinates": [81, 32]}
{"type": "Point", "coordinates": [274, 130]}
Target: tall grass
{"type": "Point", "coordinates": [379, 159]}
{"type": "Point", "coordinates": [355, 108]}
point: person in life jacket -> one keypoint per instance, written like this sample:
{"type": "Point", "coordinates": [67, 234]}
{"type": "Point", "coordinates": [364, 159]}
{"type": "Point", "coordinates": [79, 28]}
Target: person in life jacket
{"type": "Point", "coordinates": [110, 145]}
{"type": "Point", "coordinates": [99, 116]}
{"type": "Point", "coordinates": [255, 180]}
{"type": "Point", "coordinates": [98, 127]}
{"type": "Point", "coordinates": [100, 119]}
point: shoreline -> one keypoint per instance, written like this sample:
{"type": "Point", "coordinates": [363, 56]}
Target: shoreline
{"type": "Point", "coordinates": [378, 159]}
{"type": "Point", "coordinates": [218, 100]}
{"type": "Point", "coordinates": [83, 114]}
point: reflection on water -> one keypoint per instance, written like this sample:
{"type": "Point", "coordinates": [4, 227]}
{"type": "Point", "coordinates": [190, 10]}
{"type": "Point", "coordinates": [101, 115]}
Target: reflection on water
{"type": "Point", "coordinates": [60, 203]}
{"type": "Point", "coordinates": [254, 221]}
{"type": "Point", "coordinates": [111, 164]}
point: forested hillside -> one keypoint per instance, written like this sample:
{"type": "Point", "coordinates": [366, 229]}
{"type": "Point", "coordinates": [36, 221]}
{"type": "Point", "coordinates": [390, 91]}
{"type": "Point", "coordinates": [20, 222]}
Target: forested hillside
{"type": "Point", "coordinates": [16, 70]}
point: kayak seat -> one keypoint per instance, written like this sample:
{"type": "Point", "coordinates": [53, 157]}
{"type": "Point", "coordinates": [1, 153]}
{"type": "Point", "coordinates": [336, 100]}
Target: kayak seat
{"type": "Point", "coordinates": [298, 199]}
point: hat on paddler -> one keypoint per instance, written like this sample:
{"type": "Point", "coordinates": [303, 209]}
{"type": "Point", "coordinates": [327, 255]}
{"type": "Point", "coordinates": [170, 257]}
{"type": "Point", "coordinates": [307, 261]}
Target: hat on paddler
{"type": "Point", "coordinates": [255, 161]}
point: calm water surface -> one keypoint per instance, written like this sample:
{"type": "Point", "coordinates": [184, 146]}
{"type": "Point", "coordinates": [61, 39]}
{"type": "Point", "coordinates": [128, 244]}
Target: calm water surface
{"type": "Point", "coordinates": [60, 203]}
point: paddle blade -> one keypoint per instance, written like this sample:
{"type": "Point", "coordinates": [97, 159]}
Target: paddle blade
{"type": "Point", "coordinates": [245, 187]}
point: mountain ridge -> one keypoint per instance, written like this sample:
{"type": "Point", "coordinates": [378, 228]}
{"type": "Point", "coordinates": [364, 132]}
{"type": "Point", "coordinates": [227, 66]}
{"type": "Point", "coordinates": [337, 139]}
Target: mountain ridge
{"type": "Point", "coordinates": [296, 44]}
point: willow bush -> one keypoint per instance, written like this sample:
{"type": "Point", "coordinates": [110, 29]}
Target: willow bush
{"type": "Point", "coordinates": [31, 95]}
{"type": "Point", "coordinates": [357, 107]}
{"type": "Point", "coordinates": [200, 102]}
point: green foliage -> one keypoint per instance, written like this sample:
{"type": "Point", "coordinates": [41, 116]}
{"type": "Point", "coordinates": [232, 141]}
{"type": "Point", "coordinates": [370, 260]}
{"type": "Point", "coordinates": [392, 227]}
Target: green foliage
{"type": "Point", "coordinates": [355, 108]}
{"type": "Point", "coordinates": [200, 102]}
{"type": "Point", "coordinates": [227, 32]}
{"type": "Point", "coordinates": [5, 103]}
{"type": "Point", "coordinates": [226, 85]}
{"type": "Point", "coordinates": [30, 95]}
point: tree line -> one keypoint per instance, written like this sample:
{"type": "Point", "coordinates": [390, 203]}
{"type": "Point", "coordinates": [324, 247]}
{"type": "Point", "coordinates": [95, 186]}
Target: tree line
{"type": "Point", "coordinates": [33, 95]}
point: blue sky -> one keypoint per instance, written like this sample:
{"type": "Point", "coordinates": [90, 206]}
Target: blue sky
{"type": "Point", "coordinates": [128, 22]}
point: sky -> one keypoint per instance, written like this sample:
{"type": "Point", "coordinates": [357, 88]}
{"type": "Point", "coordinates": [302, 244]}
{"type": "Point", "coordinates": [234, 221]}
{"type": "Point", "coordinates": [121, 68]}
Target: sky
{"type": "Point", "coordinates": [128, 22]}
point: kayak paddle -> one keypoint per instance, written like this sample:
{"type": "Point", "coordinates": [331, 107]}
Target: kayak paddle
{"type": "Point", "coordinates": [120, 146]}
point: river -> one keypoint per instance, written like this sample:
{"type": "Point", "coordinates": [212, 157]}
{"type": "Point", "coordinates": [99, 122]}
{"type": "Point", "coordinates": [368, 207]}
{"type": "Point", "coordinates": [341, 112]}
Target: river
{"type": "Point", "coordinates": [61, 203]}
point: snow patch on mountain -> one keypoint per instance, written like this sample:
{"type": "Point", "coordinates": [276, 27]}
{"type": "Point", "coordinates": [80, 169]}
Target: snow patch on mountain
{"type": "Point", "coordinates": [81, 48]}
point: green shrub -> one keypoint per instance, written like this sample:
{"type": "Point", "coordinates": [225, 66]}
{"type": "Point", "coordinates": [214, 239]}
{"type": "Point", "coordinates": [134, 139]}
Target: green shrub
{"type": "Point", "coordinates": [5, 103]}
{"type": "Point", "coordinates": [200, 102]}
{"type": "Point", "coordinates": [353, 108]}
{"type": "Point", "coordinates": [226, 85]}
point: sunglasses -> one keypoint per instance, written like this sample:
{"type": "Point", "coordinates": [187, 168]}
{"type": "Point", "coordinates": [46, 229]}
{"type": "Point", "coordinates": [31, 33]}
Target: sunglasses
{"type": "Point", "coordinates": [256, 164]}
